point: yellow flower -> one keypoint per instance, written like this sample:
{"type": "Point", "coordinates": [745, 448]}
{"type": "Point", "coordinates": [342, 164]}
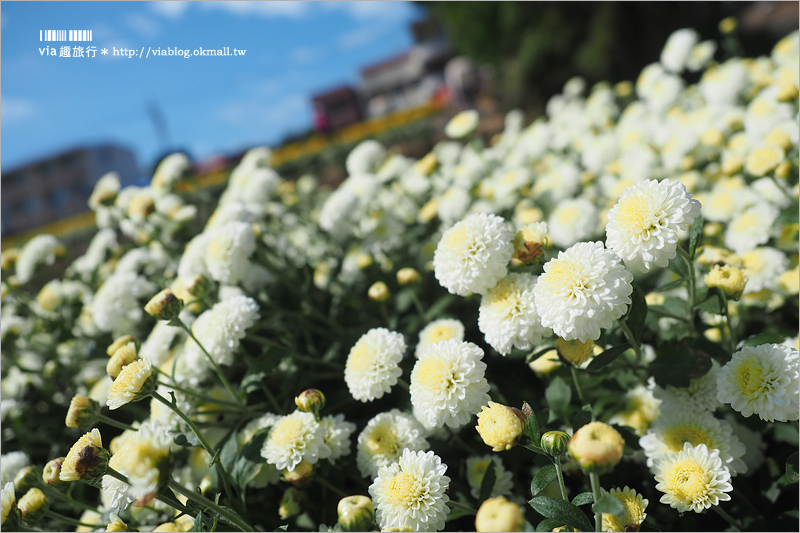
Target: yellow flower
{"type": "Point", "coordinates": [730, 280]}
{"type": "Point", "coordinates": [86, 459]}
{"type": "Point", "coordinates": [634, 515]}
{"type": "Point", "coordinates": [426, 165]}
{"type": "Point", "coordinates": [763, 160]}
{"type": "Point", "coordinates": [133, 383]}
{"type": "Point", "coordinates": [32, 505]}
{"type": "Point", "coordinates": [499, 514]}
{"type": "Point", "coordinates": [499, 426]}
{"type": "Point", "coordinates": [596, 447]}
{"type": "Point", "coordinates": [164, 305]}
{"type": "Point", "coordinates": [120, 358]}
{"type": "Point", "coordinates": [119, 343]}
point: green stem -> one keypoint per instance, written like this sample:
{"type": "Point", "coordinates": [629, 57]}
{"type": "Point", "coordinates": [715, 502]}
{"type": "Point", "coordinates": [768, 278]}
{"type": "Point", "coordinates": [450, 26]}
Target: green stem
{"type": "Point", "coordinates": [417, 304]}
{"type": "Point", "coordinates": [111, 422]}
{"type": "Point", "coordinates": [728, 518]}
{"type": "Point", "coordinates": [658, 311]}
{"type": "Point", "coordinates": [195, 394]}
{"type": "Point", "coordinates": [271, 398]}
{"type": "Point", "coordinates": [67, 520]}
{"type": "Point", "coordinates": [577, 385]}
{"type": "Point", "coordinates": [205, 502]}
{"type": "Point", "coordinates": [560, 476]}
{"type": "Point", "coordinates": [217, 369]}
{"type": "Point", "coordinates": [637, 348]}
{"type": "Point", "coordinates": [315, 361]}
{"type": "Point", "coordinates": [690, 302]}
{"type": "Point", "coordinates": [594, 478]}
{"type": "Point", "coordinates": [325, 483]}
{"type": "Point", "coordinates": [402, 383]}
{"type": "Point", "coordinates": [160, 497]}
{"type": "Point", "coordinates": [206, 446]}
{"type": "Point", "coordinates": [58, 495]}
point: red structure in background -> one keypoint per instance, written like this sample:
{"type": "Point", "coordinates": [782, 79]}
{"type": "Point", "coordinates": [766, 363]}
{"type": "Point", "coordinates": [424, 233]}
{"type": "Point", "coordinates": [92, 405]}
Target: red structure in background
{"type": "Point", "coordinates": [335, 109]}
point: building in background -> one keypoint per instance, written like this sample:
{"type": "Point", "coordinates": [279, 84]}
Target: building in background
{"type": "Point", "coordinates": [59, 186]}
{"type": "Point", "coordinates": [335, 109]}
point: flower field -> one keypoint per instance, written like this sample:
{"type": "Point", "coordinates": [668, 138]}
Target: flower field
{"type": "Point", "coordinates": [588, 323]}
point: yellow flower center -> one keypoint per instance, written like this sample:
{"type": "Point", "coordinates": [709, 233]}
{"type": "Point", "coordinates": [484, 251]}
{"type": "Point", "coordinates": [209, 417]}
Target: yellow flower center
{"type": "Point", "coordinates": [360, 359]}
{"type": "Point", "coordinates": [722, 202]}
{"type": "Point", "coordinates": [750, 377]}
{"type": "Point", "coordinates": [677, 436]}
{"type": "Point", "coordinates": [745, 222]}
{"type": "Point", "coordinates": [435, 375]}
{"type": "Point", "coordinates": [287, 432]}
{"type": "Point", "coordinates": [440, 333]}
{"type": "Point", "coordinates": [404, 489]}
{"type": "Point", "coordinates": [568, 278]}
{"type": "Point", "coordinates": [687, 480]}
{"type": "Point", "coordinates": [460, 240]}
{"type": "Point", "coordinates": [504, 300]}
{"type": "Point", "coordinates": [568, 215]}
{"type": "Point", "coordinates": [638, 216]}
{"type": "Point", "coordinates": [217, 248]}
{"type": "Point", "coordinates": [383, 441]}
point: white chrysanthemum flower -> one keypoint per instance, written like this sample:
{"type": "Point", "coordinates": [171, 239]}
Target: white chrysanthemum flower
{"type": "Point", "coordinates": [508, 316]}
{"type": "Point", "coordinates": [453, 204]}
{"type": "Point", "coordinates": [295, 438]}
{"type": "Point", "coordinates": [700, 395]}
{"type": "Point", "coordinates": [116, 306]}
{"type": "Point", "coordinates": [643, 227]}
{"type": "Point", "coordinates": [572, 221]}
{"type": "Point", "coordinates": [229, 248]}
{"type": "Point", "coordinates": [634, 514]}
{"type": "Point", "coordinates": [693, 480]}
{"type": "Point", "coordinates": [582, 291]}
{"type": "Point", "coordinates": [338, 214]}
{"type": "Point", "coordinates": [678, 425]}
{"type": "Point", "coordinates": [365, 158]}
{"type": "Point", "coordinates": [641, 410]}
{"type": "Point", "coordinates": [762, 380]}
{"type": "Point", "coordinates": [220, 330]}
{"type": "Point", "coordinates": [129, 385]}
{"type": "Point", "coordinates": [158, 344]}
{"type": "Point", "coordinates": [373, 364]}
{"type": "Point", "coordinates": [678, 49]}
{"type": "Point", "coordinates": [39, 250]}
{"type": "Point", "coordinates": [141, 458]}
{"type": "Point", "coordinates": [383, 440]}
{"type": "Point", "coordinates": [103, 243]}
{"type": "Point", "coordinates": [412, 493]}
{"type": "Point", "coordinates": [12, 463]}
{"type": "Point", "coordinates": [763, 267]}
{"type": "Point", "coordinates": [448, 384]}
{"type": "Point", "coordinates": [752, 441]}
{"type": "Point", "coordinates": [9, 499]}
{"type": "Point", "coordinates": [462, 124]}
{"type": "Point", "coordinates": [473, 255]}
{"type": "Point", "coordinates": [476, 468]}
{"type": "Point", "coordinates": [752, 228]}
{"type": "Point", "coordinates": [337, 436]}
{"type": "Point", "coordinates": [439, 330]}
{"type": "Point", "coordinates": [170, 170]}
{"type": "Point", "coordinates": [701, 55]}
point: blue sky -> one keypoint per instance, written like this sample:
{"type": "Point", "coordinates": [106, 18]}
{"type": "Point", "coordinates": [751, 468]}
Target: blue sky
{"type": "Point", "coordinates": [211, 105]}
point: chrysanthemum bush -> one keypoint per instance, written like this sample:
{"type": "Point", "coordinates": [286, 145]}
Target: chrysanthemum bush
{"type": "Point", "coordinates": [589, 323]}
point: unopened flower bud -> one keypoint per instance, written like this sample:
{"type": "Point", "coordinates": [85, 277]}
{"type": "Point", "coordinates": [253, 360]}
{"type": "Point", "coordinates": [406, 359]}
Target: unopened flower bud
{"type": "Point", "coordinates": [310, 401]}
{"type": "Point", "coordinates": [27, 478]}
{"type": "Point", "coordinates": [499, 426]}
{"type": "Point", "coordinates": [191, 290]}
{"type": "Point", "coordinates": [32, 505]}
{"type": "Point", "coordinates": [363, 261]}
{"type": "Point", "coordinates": [52, 472]}
{"type": "Point", "coordinates": [8, 258]}
{"type": "Point", "coordinates": [168, 527]}
{"type": "Point", "coordinates": [124, 356]}
{"type": "Point", "coordinates": [499, 514]}
{"type": "Point", "coordinates": [118, 343]}
{"type": "Point", "coordinates": [554, 443]}
{"type": "Point", "coordinates": [727, 25]}
{"type": "Point", "coordinates": [730, 280]}
{"type": "Point", "coordinates": [406, 276]}
{"type": "Point", "coordinates": [597, 447]}
{"type": "Point", "coordinates": [426, 165]}
{"type": "Point", "coordinates": [205, 485]}
{"type": "Point", "coordinates": [135, 382]}
{"type": "Point", "coordinates": [575, 351]}
{"type": "Point", "coordinates": [87, 459]}
{"type": "Point", "coordinates": [49, 298]}
{"type": "Point", "coordinates": [117, 525]}
{"type": "Point", "coordinates": [141, 206]}
{"type": "Point", "coordinates": [379, 292]}
{"type": "Point", "coordinates": [291, 504]}
{"type": "Point", "coordinates": [356, 513]}
{"type": "Point", "coordinates": [11, 517]}
{"type": "Point", "coordinates": [530, 242]}
{"type": "Point", "coordinates": [164, 305]}
{"type": "Point", "coordinates": [300, 475]}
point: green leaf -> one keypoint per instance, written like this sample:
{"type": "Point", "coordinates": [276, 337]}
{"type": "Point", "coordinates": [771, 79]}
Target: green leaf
{"type": "Point", "coordinates": [678, 265]}
{"type": "Point", "coordinates": [186, 439]}
{"type": "Point", "coordinates": [439, 306]}
{"type": "Point", "coordinates": [542, 479]}
{"type": "Point", "coordinates": [252, 449]}
{"type": "Point", "coordinates": [671, 285]}
{"type": "Point", "coordinates": [637, 314]}
{"type": "Point", "coordinates": [533, 356]}
{"type": "Point", "coordinates": [792, 468]}
{"type": "Point", "coordinates": [464, 508]}
{"type": "Point", "coordinates": [607, 357]}
{"type": "Point", "coordinates": [609, 504]}
{"type": "Point", "coordinates": [198, 523]}
{"type": "Point", "coordinates": [563, 511]}
{"type": "Point", "coordinates": [582, 417]}
{"type": "Point", "coordinates": [231, 511]}
{"type": "Point", "coordinates": [228, 452]}
{"type": "Point", "coordinates": [531, 424]}
{"type": "Point", "coordinates": [629, 436]}
{"type": "Point", "coordinates": [672, 364]}
{"type": "Point", "coordinates": [548, 524]}
{"type": "Point", "coordinates": [542, 417]}
{"type": "Point", "coordinates": [558, 395]}
{"type": "Point", "coordinates": [245, 470]}
{"type": "Point", "coordinates": [487, 484]}
{"type": "Point", "coordinates": [583, 498]}
{"type": "Point", "coordinates": [695, 233]}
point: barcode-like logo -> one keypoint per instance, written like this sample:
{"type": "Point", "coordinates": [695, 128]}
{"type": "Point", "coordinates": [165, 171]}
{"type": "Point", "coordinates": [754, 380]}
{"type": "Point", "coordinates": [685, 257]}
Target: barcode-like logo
{"type": "Point", "coordinates": [65, 35]}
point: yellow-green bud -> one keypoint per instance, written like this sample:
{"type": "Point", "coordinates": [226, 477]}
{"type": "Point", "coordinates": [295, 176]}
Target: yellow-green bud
{"type": "Point", "coordinates": [119, 343]}
{"type": "Point", "coordinates": [291, 504]}
{"type": "Point", "coordinates": [310, 401]}
{"type": "Point", "coordinates": [118, 526]}
{"type": "Point", "coordinates": [192, 289]}
{"type": "Point", "coordinates": [426, 165]}
{"type": "Point", "coordinates": [596, 447]}
{"type": "Point", "coordinates": [530, 242]}
{"type": "Point", "coordinates": [575, 351]}
{"type": "Point", "coordinates": [33, 505]}
{"type": "Point", "coordinates": [406, 276]}
{"type": "Point", "coordinates": [168, 527]}
{"type": "Point", "coordinates": [499, 514]}
{"type": "Point", "coordinates": [11, 517]}
{"type": "Point", "coordinates": [87, 459]}
{"type": "Point", "coordinates": [554, 443]}
{"type": "Point", "coordinates": [730, 280]}
{"type": "Point", "coordinates": [124, 355]}
{"type": "Point", "coordinates": [379, 292]}
{"type": "Point", "coordinates": [82, 412]}
{"type": "Point", "coordinates": [499, 426]}
{"type": "Point", "coordinates": [164, 305]}
{"type": "Point", "coordinates": [300, 475]}
{"type": "Point", "coordinates": [141, 206]}
{"type": "Point", "coordinates": [727, 25]}
{"type": "Point", "coordinates": [356, 513]}
{"type": "Point", "coordinates": [8, 258]}
{"type": "Point", "coordinates": [27, 478]}
{"type": "Point", "coordinates": [52, 472]}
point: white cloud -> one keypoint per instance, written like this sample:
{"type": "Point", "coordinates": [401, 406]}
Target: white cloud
{"type": "Point", "coordinates": [144, 26]}
{"type": "Point", "coordinates": [359, 37]}
{"type": "Point", "coordinates": [171, 9]}
{"type": "Point", "coordinates": [371, 10]}
{"type": "Point", "coordinates": [306, 54]}
{"type": "Point", "coordinates": [270, 9]}
{"type": "Point", "coordinates": [17, 109]}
